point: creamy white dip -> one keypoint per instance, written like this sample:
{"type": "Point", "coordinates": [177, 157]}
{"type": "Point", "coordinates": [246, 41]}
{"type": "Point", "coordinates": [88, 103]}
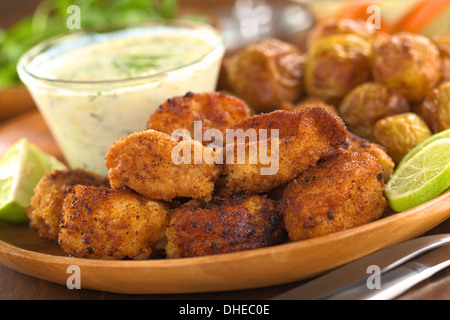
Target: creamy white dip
{"type": "Point", "coordinates": [98, 88]}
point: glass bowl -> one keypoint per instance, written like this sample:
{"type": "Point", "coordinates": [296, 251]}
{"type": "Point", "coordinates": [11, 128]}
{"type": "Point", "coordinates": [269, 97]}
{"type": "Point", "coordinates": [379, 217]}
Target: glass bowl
{"type": "Point", "coordinates": [88, 111]}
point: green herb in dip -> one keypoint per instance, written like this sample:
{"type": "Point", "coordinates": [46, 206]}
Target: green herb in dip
{"type": "Point", "coordinates": [128, 58]}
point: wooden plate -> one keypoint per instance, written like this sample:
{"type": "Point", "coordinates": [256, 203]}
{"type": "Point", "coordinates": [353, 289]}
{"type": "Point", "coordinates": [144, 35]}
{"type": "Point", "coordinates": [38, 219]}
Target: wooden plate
{"type": "Point", "coordinates": [23, 251]}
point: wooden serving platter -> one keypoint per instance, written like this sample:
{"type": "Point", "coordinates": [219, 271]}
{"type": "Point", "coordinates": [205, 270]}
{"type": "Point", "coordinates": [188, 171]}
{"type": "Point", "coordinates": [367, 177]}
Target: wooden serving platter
{"type": "Point", "coordinates": [23, 251]}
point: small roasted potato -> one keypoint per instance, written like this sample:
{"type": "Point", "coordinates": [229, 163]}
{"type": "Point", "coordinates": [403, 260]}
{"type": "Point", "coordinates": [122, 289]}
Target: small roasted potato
{"type": "Point", "coordinates": [157, 166]}
{"type": "Point", "coordinates": [45, 210]}
{"type": "Point", "coordinates": [340, 26]}
{"type": "Point", "coordinates": [435, 109]}
{"type": "Point", "coordinates": [400, 133]}
{"type": "Point", "coordinates": [266, 74]}
{"type": "Point", "coordinates": [442, 42]}
{"type": "Point", "coordinates": [409, 63]}
{"type": "Point", "coordinates": [340, 193]}
{"type": "Point", "coordinates": [224, 225]}
{"type": "Point", "coordinates": [357, 144]}
{"type": "Point", "coordinates": [368, 103]}
{"type": "Point", "coordinates": [336, 64]}
{"type": "Point", "coordinates": [101, 223]}
{"type": "Point", "coordinates": [213, 110]}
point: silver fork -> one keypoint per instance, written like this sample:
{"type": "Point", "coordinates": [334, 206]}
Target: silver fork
{"type": "Point", "coordinates": [398, 272]}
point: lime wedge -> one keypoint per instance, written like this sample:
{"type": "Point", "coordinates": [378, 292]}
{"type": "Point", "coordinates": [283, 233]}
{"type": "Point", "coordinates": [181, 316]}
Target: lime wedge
{"type": "Point", "coordinates": [21, 168]}
{"type": "Point", "coordinates": [441, 135]}
{"type": "Point", "coordinates": [422, 178]}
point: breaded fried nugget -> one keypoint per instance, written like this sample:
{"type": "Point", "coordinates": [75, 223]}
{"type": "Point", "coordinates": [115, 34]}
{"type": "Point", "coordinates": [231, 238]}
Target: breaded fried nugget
{"type": "Point", "coordinates": [339, 193]}
{"type": "Point", "coordinates": [305, 137]}
{"type": "Point", "coordinates": [224, 225]}
{"type": "Point", "coordinates": [102, 223]}
{"type": "Point", "coordinates": [357, 144]}
{"type": "Point", "coordinates": [153, 164]}
{"type": "Point", "coordinates": [45, 210]}
{"type": "Point", "coordinates": [215, 111]}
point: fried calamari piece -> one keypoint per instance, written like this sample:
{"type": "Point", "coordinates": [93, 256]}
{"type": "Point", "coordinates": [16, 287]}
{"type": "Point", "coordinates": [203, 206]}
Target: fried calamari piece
{"type": "Point", "coordinates": [357, 144]}
{"type": "Point", "coordinates": [154, 164]}
{"type": "Point", "coordinates": [266, 74]}
{"type": "Point", "coordinates": [304, 137]}
{"type": "Point", "coordinates": [213, 109]}
{"type": "Point", "coordinates": [340, 193]}
{"type": "Point", "coordinates": [45, 210]}
{"type": "Point", "coordinates": [101, 223]}
{"type": "Point", "coordinates": [224, 225]}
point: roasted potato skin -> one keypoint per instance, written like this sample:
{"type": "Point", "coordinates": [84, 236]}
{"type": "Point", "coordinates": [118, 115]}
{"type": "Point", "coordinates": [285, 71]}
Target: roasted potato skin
{"type": "Point", "coordinates": [367, 103]}
{"type": "Point", "coordinates": [409, 63]}
{"type": "Point", "coordinates": [266, 74]}
{"type": "Point", "coordinates": [400, 133]}
{"type": "Point", "coordinates": [442, 42]}
{"type": "Point", "coordinates": [213, 109]}
{"type": "Point", "coordinates": [340, 193]}
{"type": "Point", "coordinates": [435, 108]}
{"type": "Point", "coordinates": [336, 64]}
{"type": "Point", "coordinates": [45, 210]}
{"type": "Point", "coordinates": [100, 223]}
{"type": "Point", "coordinates": [224, 225]}
{"type": "Point", "coordinates": [340, 26]}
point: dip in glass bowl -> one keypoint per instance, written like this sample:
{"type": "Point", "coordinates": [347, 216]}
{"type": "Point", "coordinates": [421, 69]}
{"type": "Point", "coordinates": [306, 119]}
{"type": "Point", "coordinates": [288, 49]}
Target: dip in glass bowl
{"type": "Point", "coordinates": [93, 87]}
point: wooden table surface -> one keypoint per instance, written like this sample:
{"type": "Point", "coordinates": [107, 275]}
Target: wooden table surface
{"type": "Point", "coordinates": [17, 286]}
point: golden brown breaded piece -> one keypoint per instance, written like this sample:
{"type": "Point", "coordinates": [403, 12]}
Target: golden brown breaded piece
{"type": "Point", "coordinates": [215, 111]}
{"type": "Point", "coordinates": [45, 210]}
{"type": "Point", "coordinates": [224, 225]}
{"type": "Point", "coordinates": [102, 223]}
{"type": "Point", "coordinates": [305, 137]}
{"type": "Point", "coordinates": [340, 193]}
{"type": "Point", "coordinates": [357, 144]}
{"type": "Point", "coordinates": [143, 162]}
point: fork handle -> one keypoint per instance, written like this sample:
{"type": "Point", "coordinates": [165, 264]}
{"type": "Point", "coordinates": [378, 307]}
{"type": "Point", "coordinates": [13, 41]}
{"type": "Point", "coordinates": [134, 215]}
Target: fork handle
{"type": "Point", "coordinates": [400, 279]}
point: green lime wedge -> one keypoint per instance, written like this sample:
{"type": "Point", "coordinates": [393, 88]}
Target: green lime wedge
{"type": "Point", "coordinates": [441, 135]}
{"type": "Point", "coordinates": [422, 178]}
{"type": "Point", "coordinates": [21, 168]}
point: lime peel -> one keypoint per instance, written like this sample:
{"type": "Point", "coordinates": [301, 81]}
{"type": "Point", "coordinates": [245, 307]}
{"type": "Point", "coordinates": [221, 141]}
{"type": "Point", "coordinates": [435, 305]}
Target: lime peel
{"type": "Point", "coordinates": [21, 168]}
{"type": "Point", "coordinates": [422, 177]}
